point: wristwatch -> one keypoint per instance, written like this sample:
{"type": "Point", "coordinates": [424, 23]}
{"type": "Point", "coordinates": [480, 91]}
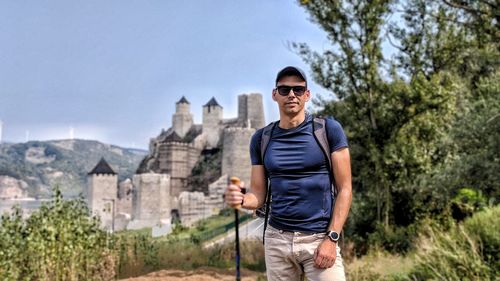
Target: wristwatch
{"type": "Point", "coordinates": [333, 235]}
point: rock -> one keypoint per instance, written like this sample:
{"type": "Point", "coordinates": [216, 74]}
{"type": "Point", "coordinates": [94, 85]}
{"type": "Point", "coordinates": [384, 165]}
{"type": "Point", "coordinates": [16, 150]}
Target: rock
{"type": "Point", "coordinates": [11, 188]}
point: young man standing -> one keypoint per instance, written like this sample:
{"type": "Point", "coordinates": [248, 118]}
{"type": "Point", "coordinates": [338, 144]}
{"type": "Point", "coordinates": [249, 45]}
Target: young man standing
{"type": "Point", "coordinates": [306, 218]}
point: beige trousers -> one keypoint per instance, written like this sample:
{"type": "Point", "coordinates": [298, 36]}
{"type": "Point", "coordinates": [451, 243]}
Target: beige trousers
{"type": "Point", "coordinates": [290, 257]}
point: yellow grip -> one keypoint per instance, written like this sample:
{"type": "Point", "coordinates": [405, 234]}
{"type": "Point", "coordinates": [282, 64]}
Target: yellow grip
{"type": "Point", "coordinates": [235, 181]}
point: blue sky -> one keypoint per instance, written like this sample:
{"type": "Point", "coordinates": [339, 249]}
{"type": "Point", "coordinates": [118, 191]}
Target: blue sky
{"type": "Point", "coordinates": [113, 70]}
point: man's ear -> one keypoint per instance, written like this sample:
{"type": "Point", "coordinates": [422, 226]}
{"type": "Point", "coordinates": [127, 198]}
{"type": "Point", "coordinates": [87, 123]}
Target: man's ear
{"type": "Point", "coordinates": [274, 94]}
{"type": "Point", "coordinates": [308, 95]}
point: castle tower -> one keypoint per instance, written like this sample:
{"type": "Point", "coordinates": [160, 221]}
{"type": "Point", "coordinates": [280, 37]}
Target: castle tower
{"type": "Point", "coordinates": [251, 108]}
{"type": "Point", "coordinates": [102, 192]}
{"type": "Point", "coordinates": [182, 119]}
{"type": "Point", "coordinates": [212, 118]}
{"type": "Point", "coordinates": [235, 156]}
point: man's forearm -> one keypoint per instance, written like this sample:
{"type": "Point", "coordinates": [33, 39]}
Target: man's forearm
{"type": "Point", "coordinates": [251, 201]}
{"type": "Point", "coordinates": [341, 208]}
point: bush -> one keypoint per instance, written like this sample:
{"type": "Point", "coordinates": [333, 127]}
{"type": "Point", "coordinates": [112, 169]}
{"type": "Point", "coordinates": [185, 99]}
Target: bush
{"type": "Point", "coordinates": [466, 203]}
{"type": "Point", "coordinates": [484, 228]}
{"type": "Point", "coordinates": [394, 239]}
{"type": "Point", "coordinates": [466, 252]}
{"type": "Point", "coordinates": [60, 241]}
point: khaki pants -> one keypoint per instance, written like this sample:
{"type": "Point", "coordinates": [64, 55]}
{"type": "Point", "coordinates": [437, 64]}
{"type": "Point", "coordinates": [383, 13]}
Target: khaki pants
{"type": "Point", "coordinates": [290, 256]}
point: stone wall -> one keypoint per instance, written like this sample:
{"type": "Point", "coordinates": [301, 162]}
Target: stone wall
{"type": "Point", "coordinates": [235, 153]}
{"type": "Point", "coordinates": [215, 199]}
{"type": "Point", "coordinates": [192, 207]}
{"type": "Point", "coordinates": [102, 197]}
{"type": "Point", "coordinates": [125, 191]}
{"type": "Point", "coordinates": [151, 199]}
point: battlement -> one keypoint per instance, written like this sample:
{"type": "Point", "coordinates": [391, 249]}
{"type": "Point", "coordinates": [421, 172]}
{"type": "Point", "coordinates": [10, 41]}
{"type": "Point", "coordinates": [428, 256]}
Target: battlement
{"type": "Point", "coordinates": [103, 176]}
{"type": "Point", "coordinates": [184, 144]}
{"type": "Point", "coordinates": [238, 130]}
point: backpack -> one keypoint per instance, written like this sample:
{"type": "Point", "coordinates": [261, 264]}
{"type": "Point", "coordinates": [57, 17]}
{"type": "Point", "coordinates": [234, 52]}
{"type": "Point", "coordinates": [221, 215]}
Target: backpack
{"type": "Point", "coordinates": [321, 137]}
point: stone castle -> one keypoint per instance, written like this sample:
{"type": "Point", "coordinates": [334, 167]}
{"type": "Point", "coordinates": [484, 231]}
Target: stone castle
{"type": "Point", "coordinates": [160, 191]}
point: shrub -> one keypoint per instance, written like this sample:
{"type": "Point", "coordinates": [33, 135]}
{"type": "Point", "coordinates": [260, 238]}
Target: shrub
{"type": "Point", "coordinates": [467, 251]}
{"type": "Point", "coordinates": [484, 228]}
{"type": "Point", "coordinates": [467, 202]}
{"type": "Point", "coordinates": [60, 241]}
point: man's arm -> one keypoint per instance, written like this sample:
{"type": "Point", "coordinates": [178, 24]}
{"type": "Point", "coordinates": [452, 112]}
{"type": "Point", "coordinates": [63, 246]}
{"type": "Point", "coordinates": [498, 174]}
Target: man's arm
{"type": "Point", "coordinates": [341, 165]}
{"type": "Point", "coordinates": [255, 197]}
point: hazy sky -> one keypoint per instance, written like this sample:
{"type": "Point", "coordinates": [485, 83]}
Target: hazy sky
{"type": "Point", "coordinates": [113, 70]}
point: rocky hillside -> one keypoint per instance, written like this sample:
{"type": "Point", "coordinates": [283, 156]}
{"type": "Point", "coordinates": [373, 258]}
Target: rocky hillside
{"type": "Point", "coordinates": [30, 169]}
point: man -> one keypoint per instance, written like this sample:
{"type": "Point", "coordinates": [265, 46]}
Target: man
{"type": "Point", "coordinates": [305, 221]}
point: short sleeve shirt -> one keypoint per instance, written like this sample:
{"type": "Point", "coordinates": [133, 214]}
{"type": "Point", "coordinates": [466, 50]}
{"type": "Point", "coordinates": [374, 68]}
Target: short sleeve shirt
{"type": "Point", "coordinates": [297, 169]}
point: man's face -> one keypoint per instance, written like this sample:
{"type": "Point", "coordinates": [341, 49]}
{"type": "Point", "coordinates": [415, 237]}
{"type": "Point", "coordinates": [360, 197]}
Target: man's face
{"type": "Point", "coordinates": [291, 103]}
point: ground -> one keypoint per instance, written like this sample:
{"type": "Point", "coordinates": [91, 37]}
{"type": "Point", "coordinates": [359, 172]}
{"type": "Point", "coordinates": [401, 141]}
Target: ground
{"type": "Point", "coordinates": [200, 274]}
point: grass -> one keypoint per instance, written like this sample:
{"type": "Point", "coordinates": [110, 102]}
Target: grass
{"type": "Point", "coordinates": [379, 265]}
{"type": "Point", "coordinates": [141, 254]}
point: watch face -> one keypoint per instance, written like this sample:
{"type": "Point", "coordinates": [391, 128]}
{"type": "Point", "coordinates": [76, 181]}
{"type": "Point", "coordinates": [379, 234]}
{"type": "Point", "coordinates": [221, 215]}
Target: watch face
{"type": "Point", "coordinates": [334, 236]}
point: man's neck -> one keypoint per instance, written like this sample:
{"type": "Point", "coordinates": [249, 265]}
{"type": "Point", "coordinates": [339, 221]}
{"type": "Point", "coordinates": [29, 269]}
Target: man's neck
{"type": "Point", "coordinates": [291, 121]}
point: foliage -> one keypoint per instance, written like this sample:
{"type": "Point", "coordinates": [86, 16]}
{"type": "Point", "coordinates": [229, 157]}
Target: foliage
{"type": "Point", "coordinates": [420, 116]}
{"type": "Point", "coordinates": [396, 240]}
{"type": "Point", "coordinates": [467, 251]}
{"type": "Point", "coordinates": [206, 170]}
{"type": "Point", "coordinates": [57, 242]}
{"type": "Point", "coordinates": [467, 202]}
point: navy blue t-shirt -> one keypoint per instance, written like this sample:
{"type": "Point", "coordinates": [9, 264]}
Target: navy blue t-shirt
{"type": "Point", "coordinates": [299, 178]}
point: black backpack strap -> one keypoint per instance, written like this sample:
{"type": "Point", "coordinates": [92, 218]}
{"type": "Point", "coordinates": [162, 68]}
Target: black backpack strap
{"type": "Point", "coordinates": [264, 142]}
{"type": "Point", "coordinates": [267, 132]}
{"type": "Point", "coordinates": [321, 136]}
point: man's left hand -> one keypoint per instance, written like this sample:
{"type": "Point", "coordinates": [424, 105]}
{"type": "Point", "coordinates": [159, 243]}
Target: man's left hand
{"type": "Point", "coordinates": [325, 254]}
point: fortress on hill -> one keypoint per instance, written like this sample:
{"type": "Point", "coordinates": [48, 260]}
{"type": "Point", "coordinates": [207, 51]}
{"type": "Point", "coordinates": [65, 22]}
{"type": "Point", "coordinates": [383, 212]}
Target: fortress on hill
{"type": "Point", "coordinates": [162, 189]}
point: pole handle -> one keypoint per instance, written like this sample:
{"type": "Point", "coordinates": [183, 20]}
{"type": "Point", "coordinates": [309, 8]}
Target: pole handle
{"type": "Point", "coordinates": [237, 181]}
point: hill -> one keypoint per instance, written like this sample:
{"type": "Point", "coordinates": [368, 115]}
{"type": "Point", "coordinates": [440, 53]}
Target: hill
{"type": "Point", "coordinates": [31, 168]}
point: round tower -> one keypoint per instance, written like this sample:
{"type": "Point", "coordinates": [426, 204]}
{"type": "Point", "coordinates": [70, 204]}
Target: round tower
{"type": "Point", "coordinates": [212, 119]}
{"type": "Point", "coordinates": [182, 119]}
{"type": "Point", "coordinates": [235, 156]}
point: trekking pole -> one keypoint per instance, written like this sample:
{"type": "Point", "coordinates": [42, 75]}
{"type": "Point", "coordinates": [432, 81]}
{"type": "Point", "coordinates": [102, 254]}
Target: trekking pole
{"type": "Point", "coordinates": [236, 181]}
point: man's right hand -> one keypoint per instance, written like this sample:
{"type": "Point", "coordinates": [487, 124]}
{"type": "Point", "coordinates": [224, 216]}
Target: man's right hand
{"type": "Point", "coordinates": [234, 196]}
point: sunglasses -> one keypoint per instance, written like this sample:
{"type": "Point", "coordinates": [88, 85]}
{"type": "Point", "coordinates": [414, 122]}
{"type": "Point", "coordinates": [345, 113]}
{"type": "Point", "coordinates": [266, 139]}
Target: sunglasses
{"type": "Point", "coordinates": [285, 90]}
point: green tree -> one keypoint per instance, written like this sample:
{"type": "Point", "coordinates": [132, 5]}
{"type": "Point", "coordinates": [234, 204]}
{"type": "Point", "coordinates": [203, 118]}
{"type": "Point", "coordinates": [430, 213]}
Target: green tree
{"type": "Point", "coordinates": [393, 123]}
{"type": "Point", "coordinates": [410, 79]}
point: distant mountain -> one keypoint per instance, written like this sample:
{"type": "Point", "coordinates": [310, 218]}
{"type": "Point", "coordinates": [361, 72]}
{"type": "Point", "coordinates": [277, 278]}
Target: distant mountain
{"type": "Point", "coordinates": [32, 168]}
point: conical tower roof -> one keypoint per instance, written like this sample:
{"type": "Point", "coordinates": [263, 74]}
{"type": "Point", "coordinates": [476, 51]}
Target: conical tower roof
{"type": "Point", "coordinates": [212, 102]}
{"type": "Point", "coordinates": [173, 137]}
{"type": "Point", "coordinates": [102, 168]}
{"type": "Point", "coordinates": [183, 100]}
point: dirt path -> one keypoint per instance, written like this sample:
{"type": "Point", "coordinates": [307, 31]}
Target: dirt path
{"type": "Point", "coordinates": [201, 274]}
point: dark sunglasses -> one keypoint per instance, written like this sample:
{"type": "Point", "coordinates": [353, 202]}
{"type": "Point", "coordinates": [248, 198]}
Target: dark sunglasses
{"type": "Point", "coordinates": [285, 90]}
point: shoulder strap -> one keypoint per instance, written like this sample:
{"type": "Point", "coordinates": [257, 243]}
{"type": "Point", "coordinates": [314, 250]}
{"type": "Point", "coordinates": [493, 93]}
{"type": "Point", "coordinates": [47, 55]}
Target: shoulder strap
{"type": "Point", "coordinates": [321, 136]}
{"type": "Point", "coordinates": [267, 132]}
{"type": "Point", "coordinates": [264, 142]}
